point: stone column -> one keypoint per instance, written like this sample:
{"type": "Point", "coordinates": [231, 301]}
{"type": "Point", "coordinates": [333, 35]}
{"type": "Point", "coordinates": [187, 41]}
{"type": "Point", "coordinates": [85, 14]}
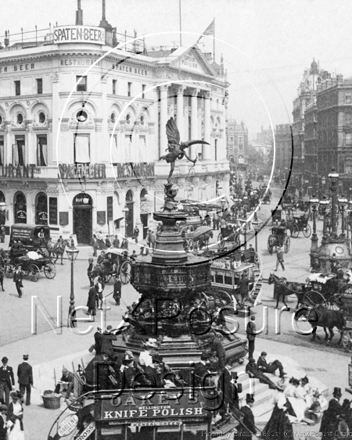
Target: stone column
{"type": "Point", "coordinates": [194, 122]}
{"type": "Point", "coordinates": [163, 120]}
{"type": "Point", "coordinates": [207, 128]}
{"type": "Point", "coordinates": [180, 117]}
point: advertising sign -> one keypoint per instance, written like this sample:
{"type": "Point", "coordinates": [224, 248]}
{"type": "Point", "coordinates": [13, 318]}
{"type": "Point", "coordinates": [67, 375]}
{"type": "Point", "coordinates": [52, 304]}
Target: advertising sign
{"type": "Point", "coordinates": [136, 408]}
{"type": "Point", "coordinates": [67, 425]}
{"type": "Point", "coordinates": [79, 34]}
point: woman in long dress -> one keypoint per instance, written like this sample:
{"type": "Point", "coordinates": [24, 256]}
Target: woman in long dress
{"type": "Point", "coordinates": [296, 397]}
{"type": "Point", "coordinates": [15, 417]}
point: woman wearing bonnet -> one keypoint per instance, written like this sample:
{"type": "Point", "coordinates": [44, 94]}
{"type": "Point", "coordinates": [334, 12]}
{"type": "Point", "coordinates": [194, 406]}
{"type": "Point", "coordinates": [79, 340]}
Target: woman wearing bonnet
{"type": "Point", "coordinates": [15, 417]}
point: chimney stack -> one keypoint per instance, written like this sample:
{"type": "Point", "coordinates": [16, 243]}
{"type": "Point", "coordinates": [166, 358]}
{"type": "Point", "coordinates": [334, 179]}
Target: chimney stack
{"type": "Point", "coordinates": [79, 14]}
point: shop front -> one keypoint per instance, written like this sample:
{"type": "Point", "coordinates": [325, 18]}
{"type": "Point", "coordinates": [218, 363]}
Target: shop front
{"type": "Point", "coordinates": [182, 414]}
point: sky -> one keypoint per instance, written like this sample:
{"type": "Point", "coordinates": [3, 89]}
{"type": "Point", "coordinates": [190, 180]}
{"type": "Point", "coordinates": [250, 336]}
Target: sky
{"type": "Point", "coordinates": [266, 44]}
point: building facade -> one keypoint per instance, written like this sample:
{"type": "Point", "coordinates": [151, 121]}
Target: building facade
{"type": "Point", "coordinates": [237, 147]}
{"type": "Point", "coordinates": [283, 142]}
{"type": "Point", "coordinates": [334, 129]}
{"type": "Point", "coordinates": [306, 94]}
{"type": "Point", "coordinates": [83, 124]}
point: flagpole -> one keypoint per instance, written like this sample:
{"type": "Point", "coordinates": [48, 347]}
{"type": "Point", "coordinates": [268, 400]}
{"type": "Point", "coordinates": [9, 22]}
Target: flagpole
{"type": "Point", "coordinates": [214, 43]}
{"type": "Point", "coordinates": [179, 6]}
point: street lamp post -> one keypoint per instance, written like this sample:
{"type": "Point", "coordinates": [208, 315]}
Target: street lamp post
{"type": "Point", "coordinates": [324, 203]}
{"type": "Point", "coordinates": [72, 254]}
{"type": "Point", "coordinates": [323, 181]}
{"type": "Point", "coordinates": [314, 203]}
{"type": "Point", "coordinates": [343, 202]}
{"type": "Point", "coordinates": [334, 178]}
{"type": "Point", "coordinates": [256, 225]}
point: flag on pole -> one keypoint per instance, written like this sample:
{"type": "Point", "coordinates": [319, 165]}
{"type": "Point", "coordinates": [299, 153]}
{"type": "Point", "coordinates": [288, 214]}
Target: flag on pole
{"type": "Point", "coordinates": [210, 30]}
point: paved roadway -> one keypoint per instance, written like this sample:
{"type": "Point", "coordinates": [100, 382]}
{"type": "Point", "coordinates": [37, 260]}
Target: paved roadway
{"type": "Point", "coordinates": [16, 337]}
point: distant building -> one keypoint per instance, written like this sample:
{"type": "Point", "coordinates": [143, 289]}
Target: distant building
{"type": "Point", "coordinates": [264, 142]}
{"type": "Point", "coordinates": [311, 173]}
{"type": "Point", "coordinates": [237, 147]}
{"type": "Point", "coordinates": [283, 143]}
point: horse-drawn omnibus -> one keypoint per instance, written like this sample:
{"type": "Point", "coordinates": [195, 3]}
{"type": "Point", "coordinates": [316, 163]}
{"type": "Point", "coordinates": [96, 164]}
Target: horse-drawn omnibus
{"type": "Point", "coordinates": [29, 236]}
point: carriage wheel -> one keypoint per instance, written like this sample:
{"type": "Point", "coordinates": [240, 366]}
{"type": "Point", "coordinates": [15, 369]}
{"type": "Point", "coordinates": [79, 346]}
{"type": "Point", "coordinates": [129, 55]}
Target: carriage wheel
{"type": "Point", "coordinates": [307, 231]}
{"type": "Point", "coordinates": [50, 270]}
{"type": "Point", "coordinates": [313, 298]}
{"type": "Point", "coordinates": [221, 243]}
{"type": "Point", "coordinates": [33, 272]}
{"type": "Point", "coordinates": [346, 340]}
{"type": "Point", "coordinates": [271, 243]}
{"type": "Point", "coordinates": [125, 272]}
{"type": "Point", "coordinates": [294, 231]}
{"type": "Point", "coordinates": [107, 278]}
{"type": "Point", "coordinates": [287, 244]}
{"type": "Point", "coordinates": [9, 270]}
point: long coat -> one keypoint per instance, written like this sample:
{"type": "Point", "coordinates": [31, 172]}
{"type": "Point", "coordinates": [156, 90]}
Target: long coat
{"type": "Point", "coordinates": [248, 422]}
{"type": "Point", "coordinates": [92, 297]}
{"type": "Point", "coordinates": [25, 374]}
{"type": "Point", "coordinates": [7, 376]}
{"type": "Point", "coordinates": [329, 420]}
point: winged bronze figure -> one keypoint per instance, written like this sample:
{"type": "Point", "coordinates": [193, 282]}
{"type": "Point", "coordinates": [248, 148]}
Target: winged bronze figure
{"type": "Point", "coordinates": [175, 147]}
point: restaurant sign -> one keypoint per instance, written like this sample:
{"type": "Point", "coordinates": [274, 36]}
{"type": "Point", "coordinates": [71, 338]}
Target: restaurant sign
{"type": "Point", "coordinates": [93, 171]}
{"type": "Point", "coordinates": [79, 34]}
{"type": "Point", "coordinates": [14, 172]}
{"type": "Point", "coordinates": [134, 408]}
{"type": "Point", "coordinates": [137, 170]}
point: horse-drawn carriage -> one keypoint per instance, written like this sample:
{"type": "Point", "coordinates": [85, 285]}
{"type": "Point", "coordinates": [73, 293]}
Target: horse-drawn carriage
{"type": "Point", "coordinates": [297, 224]}
{"type": "Point", "coordinates": [32, 264]}
{"type": "Point", "coordinates": [199, 237]}
{"type": "Point", "coordinates": [113, 261]}
{"type": "Point", "coordinates": [278, 237]}
{"type": "Point", "coordinates": [228, 236]}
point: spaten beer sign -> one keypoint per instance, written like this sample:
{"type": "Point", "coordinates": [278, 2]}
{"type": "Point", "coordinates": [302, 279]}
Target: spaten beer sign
{"type": "Point", "coordinates": [79, 34]}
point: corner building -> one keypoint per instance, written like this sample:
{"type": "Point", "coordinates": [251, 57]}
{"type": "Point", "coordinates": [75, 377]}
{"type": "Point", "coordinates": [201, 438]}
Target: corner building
{"type": "Point", "coordinates": [82, 128]}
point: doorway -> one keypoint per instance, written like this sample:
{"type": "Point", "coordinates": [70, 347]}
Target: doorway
{"type": "Point", "coordinates": [82, 218]}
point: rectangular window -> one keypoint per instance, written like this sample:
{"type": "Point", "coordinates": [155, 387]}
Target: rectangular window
{"type": "Point", "coordinates": [113, 152]}
{"type": "Point", "coordinates": [17, 88]}
{"type": "Point", "coordinates": [114, 84]}
{"type": "Point", "coordinates": [129, 152]}
{"type": "Point", "coordinates": [1, 150]}
{"type": "Point", "coordinates": [348, 139]}
{"type": "Point", "coordinates": [18, 151]}
{"type": "Point", "coordinates": [348, 98]}
{"type": "Point", "coordinates": [81, 83]}
{"type": "Point", "coordinates": [143, 90]}
{"type": "Point", "coordinates": [129, 89]}
{"type": "Point", "coordinates": [82, 149]}
{"type": "Point", "coordinates": [52, 210]}
{"type": "Point", "coordinates": [109, 208]}
{"type": "Point", "coordinates": [216, 149]}
{"type": "Point", "coordinates": [42, 150]}
{"type": "Point", "coordinates": [39, 86]}
{"type": "Point", "coordinates": [348, 118]}
{"type": "Point", "coordinates": [219, 279]}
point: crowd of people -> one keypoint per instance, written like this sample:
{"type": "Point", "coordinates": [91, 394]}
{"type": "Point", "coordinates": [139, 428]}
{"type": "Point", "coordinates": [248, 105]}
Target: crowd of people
{"type": "Point", "coordinates": [12, 400]}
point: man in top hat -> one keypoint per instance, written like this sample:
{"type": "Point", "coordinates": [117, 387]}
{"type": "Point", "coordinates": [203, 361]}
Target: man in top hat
{"type": "Point", "coordinates": [247, 428]}
{"type": "Point", "coordinates": [253, 371]}
{"type": "Point", "coordinates": [331, 416]}
{"type": "Point", "coordinates": [25, 378]}
{"type": "Point", "coordinates": [202, 374]}
{"type": "Point", "coordinates": [7, 381]}
{"type": "Point", "coordinates": [107, 339]}
{"type": "Point", "coordinates": [17, 279]}
{"type": "Point", "coordinates": [251, 331]}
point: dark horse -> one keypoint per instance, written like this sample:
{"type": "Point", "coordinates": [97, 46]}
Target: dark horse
{"type": "Point", "coordinates": [283, 288]}
{"type": "Point", "coordinates": [328, 319]}
{"type": "Point", "coordinates": [58, 249]}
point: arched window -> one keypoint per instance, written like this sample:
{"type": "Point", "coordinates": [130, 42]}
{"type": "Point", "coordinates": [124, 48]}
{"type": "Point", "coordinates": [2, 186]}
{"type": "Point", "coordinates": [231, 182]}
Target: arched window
{"type": "Point", "coordinates": [20, 208]}
{"type": "Point", "coordinates": [41, 209]}
{"type": "Point", "coordinates": [129, 196]}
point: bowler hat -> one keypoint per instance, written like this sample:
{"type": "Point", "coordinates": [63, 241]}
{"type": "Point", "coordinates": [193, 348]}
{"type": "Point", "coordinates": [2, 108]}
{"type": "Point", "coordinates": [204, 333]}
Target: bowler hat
{"type": "Point", "coordinates": [251, 360]}
{"type": "Point", "coordinates": [337, 392]}
{"type": "Point", "coordinates": [4, 359]}
{"type": "Point", "coordinates": [25, 357]}
{"type": "Point", "coordinates": [250, 398]}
